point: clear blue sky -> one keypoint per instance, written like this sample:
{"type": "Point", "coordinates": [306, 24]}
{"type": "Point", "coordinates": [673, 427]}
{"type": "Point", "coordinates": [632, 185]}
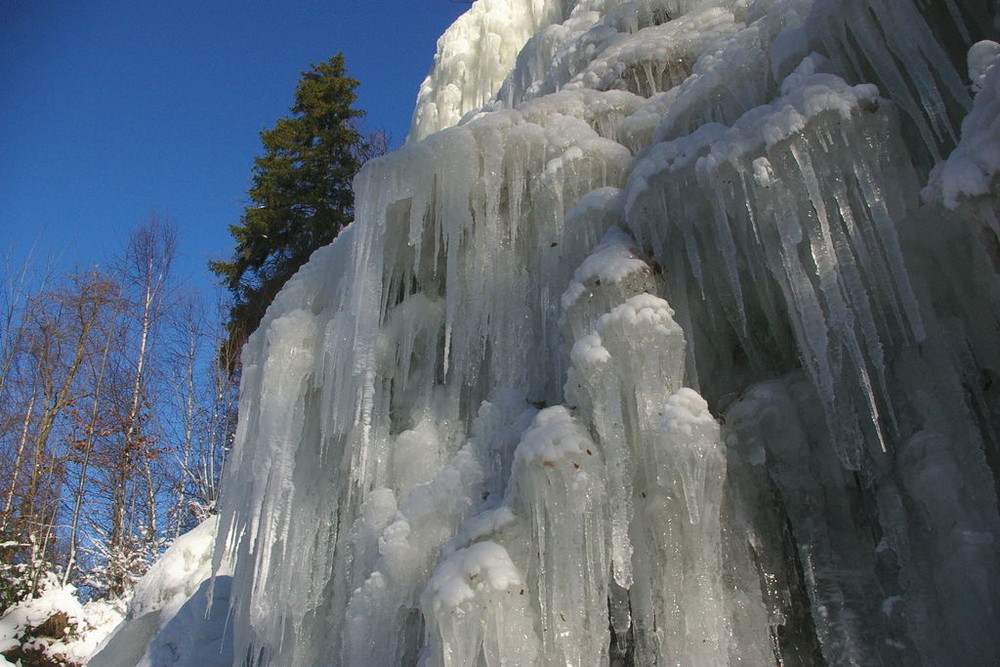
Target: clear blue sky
{"type": "Point", "coordinates": [112, 108]}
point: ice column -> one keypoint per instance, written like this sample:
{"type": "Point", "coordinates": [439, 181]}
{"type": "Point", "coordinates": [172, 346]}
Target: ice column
{"type": "Point", "coordinates": [664, 459]}
{"type": "Point", "coordinates": [477, 610]}
{"type": "Point", "coordinates": [558, 482]}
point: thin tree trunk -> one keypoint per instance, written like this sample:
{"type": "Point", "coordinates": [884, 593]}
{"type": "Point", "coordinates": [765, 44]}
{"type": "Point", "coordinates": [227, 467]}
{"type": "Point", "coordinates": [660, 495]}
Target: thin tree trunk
{"type": "Point", "coordinates": [18, 460]}
{"type": "Point", "coordinates": [189, 409]}
{"type": "Point", "coordinates": [134, 416]}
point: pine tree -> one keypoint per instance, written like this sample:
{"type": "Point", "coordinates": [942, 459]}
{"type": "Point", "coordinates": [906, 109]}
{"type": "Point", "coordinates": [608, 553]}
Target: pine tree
{"type": "Point", "coordinates": [301, 195]}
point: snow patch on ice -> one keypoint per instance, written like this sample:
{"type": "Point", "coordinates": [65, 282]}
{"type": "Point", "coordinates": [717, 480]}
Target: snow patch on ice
{"type": "Point", "coordinates": [686, 411]}
{"type": "Point", "coordinates": [611, 261]}
{"type": "Point", "coordinates": [176, 575]}
{"type": "Point", "coordinates": [972, 168]}
{"type": "Point", "coordinates": [480, 568]}
{"type": "Point", "coordinates": [552, 437]}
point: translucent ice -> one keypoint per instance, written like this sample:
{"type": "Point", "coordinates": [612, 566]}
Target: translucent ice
{"type": "Point", "coordinates": [645, 349]}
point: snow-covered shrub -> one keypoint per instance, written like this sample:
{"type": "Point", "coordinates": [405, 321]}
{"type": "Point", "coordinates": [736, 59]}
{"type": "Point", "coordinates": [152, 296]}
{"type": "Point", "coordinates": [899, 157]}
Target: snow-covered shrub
{"type": "Point", "coordinates": [54, 627]}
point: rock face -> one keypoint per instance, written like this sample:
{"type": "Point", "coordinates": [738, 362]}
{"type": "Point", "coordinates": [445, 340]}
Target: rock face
{"type": "Point", "coordinates": [671, 337]}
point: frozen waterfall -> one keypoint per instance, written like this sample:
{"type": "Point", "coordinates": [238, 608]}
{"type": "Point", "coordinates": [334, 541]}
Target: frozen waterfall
{"type": "Point", "coordinates": [672, 336]}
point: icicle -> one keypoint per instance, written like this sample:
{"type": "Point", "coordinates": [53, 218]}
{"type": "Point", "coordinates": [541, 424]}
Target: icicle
{"type": "Point", "coordinates": [910, 65]}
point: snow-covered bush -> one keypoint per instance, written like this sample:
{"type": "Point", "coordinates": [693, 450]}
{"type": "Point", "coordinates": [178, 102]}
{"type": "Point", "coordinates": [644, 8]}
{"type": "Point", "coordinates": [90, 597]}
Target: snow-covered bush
{"type": "Point", "coordinates": [54, 627]}
{"type": "Point", "coordinates": [17, 576]}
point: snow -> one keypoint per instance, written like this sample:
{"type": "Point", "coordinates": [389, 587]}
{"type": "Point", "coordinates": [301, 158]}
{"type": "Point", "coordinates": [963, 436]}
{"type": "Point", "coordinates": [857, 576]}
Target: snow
{"type": "Point", "coordinates": [178, 612]}
{"type": "Point", "coordinates": [176, 575]}
{"type": "Point", "coordinates": [612, 261]}
{"type": "Point", "coordinates": [483, 573]}
{"type": "Point", "coordinates": [480, 569]}
{"type": "Point", "coordinates": [971, 169]}
{"type": "Point", "coordinates": [686, 411]}
{"type": "Point", "coordinates": [87, 623]}
{"type": "Point", "coordinates": [982, 57]}
{"type": "Point", "coordinates": [646, 347]}
{"type": "Point", "coordinates": [552, 438]}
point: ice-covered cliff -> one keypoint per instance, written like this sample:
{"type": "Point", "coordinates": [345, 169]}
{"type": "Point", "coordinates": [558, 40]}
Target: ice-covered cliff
{"type": "Point", "coordinates": [671, 337]}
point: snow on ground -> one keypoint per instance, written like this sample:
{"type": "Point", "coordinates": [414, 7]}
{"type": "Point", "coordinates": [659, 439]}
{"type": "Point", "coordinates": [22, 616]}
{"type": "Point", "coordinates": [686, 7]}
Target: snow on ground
{"type": "Point", "coordinates": [85, 626]}
{"type": "Point", "coordinates": [178, 612]}
{"type": "Point", "coordinates": [176, 615]}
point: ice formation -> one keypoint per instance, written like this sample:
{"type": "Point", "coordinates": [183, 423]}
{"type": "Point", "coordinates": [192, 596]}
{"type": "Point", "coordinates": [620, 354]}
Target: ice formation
{"type": "Point", "coordinates": [670, 337]}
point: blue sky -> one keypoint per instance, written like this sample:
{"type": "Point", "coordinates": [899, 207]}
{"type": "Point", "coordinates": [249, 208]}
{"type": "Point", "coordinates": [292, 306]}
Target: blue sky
{"type": "Point", "coordinates": [110, 109]}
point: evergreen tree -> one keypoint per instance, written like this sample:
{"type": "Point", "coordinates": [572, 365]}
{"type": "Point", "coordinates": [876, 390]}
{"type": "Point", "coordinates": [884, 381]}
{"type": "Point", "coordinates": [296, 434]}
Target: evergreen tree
{"type": "Point", "coordinates": [301, 195]}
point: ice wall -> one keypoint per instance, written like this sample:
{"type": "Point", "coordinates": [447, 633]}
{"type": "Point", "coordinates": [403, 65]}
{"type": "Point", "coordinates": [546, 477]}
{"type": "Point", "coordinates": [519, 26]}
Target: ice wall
{"type": "Point", "coordinates": [671, 336]}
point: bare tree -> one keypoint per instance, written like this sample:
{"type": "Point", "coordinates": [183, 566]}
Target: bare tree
{"type": "Point", "coordinates": [88, 425]}
{"type": "Point", "coordinates": [42, 383]}
{"type": "Point", "coordinates": [149, 254]}
{"type": "Point", "coordinates": [115, 417]}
